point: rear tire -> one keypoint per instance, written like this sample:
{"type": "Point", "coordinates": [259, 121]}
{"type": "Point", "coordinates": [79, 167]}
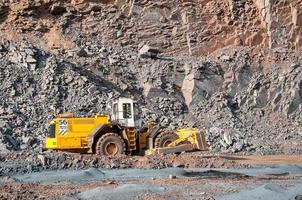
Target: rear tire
{"type": "Point", "coordinates": [164, 139]}
{"type": "Point", "coordinates": [110, 144]}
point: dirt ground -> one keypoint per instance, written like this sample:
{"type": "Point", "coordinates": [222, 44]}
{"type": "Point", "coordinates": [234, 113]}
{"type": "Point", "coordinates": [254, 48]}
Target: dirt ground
{"type": "Point", "coordinates": [15, 191]}
{"type": "Point", "coordinates": [24, 162]}
{"type": "Point", "coordinates": [265, 160]}
{"type": "Point", "coordinates": [194, 185]}
{"type": "Point", "coordinates": [207, 187]}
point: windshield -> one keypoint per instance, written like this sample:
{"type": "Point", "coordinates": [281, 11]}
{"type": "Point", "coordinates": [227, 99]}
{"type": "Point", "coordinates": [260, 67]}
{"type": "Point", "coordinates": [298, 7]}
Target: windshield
{"type": "Point", "coordinates": [127, 111]}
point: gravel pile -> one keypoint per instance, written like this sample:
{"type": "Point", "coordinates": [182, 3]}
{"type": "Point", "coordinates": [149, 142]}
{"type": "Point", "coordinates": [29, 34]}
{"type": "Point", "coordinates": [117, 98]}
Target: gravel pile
{"type": "Point", "coordinates": [248, 99]}
{"type": "Point", "coordinates": [33, 83]}
{"type": "Point", "coordinates": [29, 161]}
{"type": "Point", "coordinates": [241, 108]}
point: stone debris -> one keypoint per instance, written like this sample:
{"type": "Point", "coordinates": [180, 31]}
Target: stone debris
{"type": "Point", "coordinates": [241, 110]}
{"type": "Point", "coordinates": [29, 161]}
{"type": "Point", "coordinates": [172, 176]}
{"type": "Point", "coordinates": [229, 74]}
{"type": "Point", "coordinates": [57, 9]}
{"type": "Point", "coordinates": [148, 52]}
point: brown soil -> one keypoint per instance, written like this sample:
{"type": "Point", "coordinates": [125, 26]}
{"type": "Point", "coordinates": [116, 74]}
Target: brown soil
{"type": "Point", "coordinates": [15, 191]}
{"type": "Point", "coordinates": [55, 40]}
{"type": "Point", "coordinates": [184, 188]}
{"type": "Point", "coordinates": [266, 160]}
{"type": "Point", "coordinates": [205, 186]}
{"type": "Point", "coordinates": [81, 161]}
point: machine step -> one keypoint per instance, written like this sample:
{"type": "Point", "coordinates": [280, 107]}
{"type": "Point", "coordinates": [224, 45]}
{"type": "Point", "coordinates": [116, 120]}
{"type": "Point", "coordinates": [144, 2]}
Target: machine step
{"type": "Point", "coordinates": [131, 133]}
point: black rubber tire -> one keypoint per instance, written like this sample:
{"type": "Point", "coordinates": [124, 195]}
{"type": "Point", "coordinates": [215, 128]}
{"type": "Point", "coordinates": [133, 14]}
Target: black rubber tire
{"type": "Point", "coordinates": [164, 137]}
{"type": "Point", "coordinates": [110, 139]}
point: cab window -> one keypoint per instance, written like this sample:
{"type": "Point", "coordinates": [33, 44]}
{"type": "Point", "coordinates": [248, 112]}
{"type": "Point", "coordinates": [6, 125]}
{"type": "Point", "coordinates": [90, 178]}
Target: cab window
{"type": "Point", "coordinates": [127, 111]}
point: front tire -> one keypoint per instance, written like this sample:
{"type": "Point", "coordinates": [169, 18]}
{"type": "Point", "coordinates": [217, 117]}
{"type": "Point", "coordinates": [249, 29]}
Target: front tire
{"type": "Point", "coordinates": [110, 144]}
{"type": "Point", "coordinates": [164, 139]}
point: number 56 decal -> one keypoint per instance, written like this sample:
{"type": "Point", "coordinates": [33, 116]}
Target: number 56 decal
{"type": "Point", "coordinates": [63, 126]}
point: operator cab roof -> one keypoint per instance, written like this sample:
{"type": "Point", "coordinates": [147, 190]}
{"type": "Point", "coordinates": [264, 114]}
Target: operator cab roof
{"type": "Point", "coordinates": [123, 99]}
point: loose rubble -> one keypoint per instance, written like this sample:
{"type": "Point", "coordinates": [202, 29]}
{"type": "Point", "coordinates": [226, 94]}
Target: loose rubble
{"type": "Point", "coordinates": [230, 67]}
{"type": "Point", "coordinates": [27, 162]}
{"type": "Point", "coordinates": [245, 90]}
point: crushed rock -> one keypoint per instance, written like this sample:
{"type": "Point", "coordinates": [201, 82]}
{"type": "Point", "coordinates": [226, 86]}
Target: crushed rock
{"type": "Point", "coordinates": [25, 162]}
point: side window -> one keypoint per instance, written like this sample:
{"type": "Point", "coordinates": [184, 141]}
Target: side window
{"type": "Point", "coordinates": [127, 111]}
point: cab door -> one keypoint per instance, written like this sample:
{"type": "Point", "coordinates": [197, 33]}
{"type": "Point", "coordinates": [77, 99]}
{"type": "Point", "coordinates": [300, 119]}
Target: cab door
{"type": "Point", "coordinates": [123, 113]}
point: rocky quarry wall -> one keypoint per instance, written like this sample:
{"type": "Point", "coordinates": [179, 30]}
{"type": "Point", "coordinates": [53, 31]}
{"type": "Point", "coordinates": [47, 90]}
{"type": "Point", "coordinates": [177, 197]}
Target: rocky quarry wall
{"type": "Point", "coordinates": [283, 22]}
{"type": "Point", "coordinates": [232, 67]}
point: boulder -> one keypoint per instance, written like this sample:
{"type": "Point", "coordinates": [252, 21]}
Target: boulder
{"type": "Point", "coordinates": [57, 9]}
{"type": "Point", "coordinates": [148, 52]}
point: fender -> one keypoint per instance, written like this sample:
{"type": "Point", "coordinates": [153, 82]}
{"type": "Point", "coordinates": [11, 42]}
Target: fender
{"type": "Point", "coordinates": [156, 130]}
{"type": "Point", "coordinates": [99, 131]}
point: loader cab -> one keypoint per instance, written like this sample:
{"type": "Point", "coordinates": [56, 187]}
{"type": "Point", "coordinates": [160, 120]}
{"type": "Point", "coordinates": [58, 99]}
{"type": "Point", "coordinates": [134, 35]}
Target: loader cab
{"type": "Point", "coordinates": [123, 112]}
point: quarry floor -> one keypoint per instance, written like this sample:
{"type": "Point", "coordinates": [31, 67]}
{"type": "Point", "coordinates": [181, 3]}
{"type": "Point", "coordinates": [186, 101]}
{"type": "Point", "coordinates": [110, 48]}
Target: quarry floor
{"type": "Point", "coordinates": [244, 177]}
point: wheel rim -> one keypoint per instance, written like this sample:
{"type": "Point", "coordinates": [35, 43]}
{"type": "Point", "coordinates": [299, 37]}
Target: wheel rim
{"type": "Point", "coordinates": [167, 143]}
{"type": "Point", "coordinates": [111, 149]}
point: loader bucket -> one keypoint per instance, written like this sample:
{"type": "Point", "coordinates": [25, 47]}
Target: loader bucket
{"type": "Point", "coordinates": [190, 139]}
{"type": "Point", "coordinates": [201, 141]}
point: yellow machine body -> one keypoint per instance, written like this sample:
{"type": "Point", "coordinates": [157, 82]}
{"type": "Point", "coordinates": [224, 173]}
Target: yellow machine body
{"type": "Point", "coordinates": [188, 139]}
{"type": "Point", "coordinates": [73, 133]}
{"type": "Point", "coordinates": [118, 134]}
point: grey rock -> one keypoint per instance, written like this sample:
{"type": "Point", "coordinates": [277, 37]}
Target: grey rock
{"type": "Point", "coordinates": [16, 58]}
{"type": "Point", "coordinates": [92, 90]}
{"type": "Point", "coordinates": [57, 9]}
{"type": "Point", "coordinates": [224, 144]}
{"type": "Point", "coordinates": [148, 52]}
{"type": "Point", "coordinates": [82, 53]}
{"type": "Point", "coordinates": [68, 79]}
{"type": "Point", "coordinates": [112, 61]}
{"type": "Point", "coordinates": [172, 176]}
{"type": "Point", "coordinates": [3, 148]}
{"type": "Point", "coordinates": [30, 51]}
{"type": "Point", "coordinates": [227, 138]}
{"type": "Point", "coordinates": [119, 34]}
{"type": "Point", "coordinates": [30, 59]}
{"type": "Point", "coordinates": [2, 48]}
{"type": "Point", "coordinates": [32, 66]}
{"type": "Point", "coordinates": [216, 130]}
{"type": "Point", "coordinates": [3, 124]}
{"type": "Point", "coordinates": [239, 146]}
{"type": "Point", "coordinates": [13, 142]}
{"type": "Point", "coordinates": [225, 58]}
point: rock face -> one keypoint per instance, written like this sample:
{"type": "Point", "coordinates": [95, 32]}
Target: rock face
{"type": "Point", "coordinates": [179, 28]}
{"type": "Point", "coordinates": [283, 21]}
{"type": "Point", "coordinates": [231, 67]}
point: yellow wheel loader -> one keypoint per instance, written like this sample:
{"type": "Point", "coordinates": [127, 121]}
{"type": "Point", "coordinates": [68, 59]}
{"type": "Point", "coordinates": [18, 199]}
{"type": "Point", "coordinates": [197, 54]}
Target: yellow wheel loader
{"type": "Point", "coordinates": [122, 132]}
